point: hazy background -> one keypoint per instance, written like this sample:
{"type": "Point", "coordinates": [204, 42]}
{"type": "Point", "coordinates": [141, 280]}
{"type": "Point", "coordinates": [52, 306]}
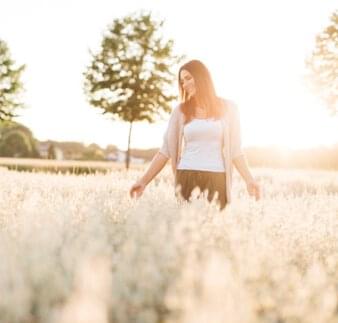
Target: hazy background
{"type": "Point", "coordinates": [255, 51]}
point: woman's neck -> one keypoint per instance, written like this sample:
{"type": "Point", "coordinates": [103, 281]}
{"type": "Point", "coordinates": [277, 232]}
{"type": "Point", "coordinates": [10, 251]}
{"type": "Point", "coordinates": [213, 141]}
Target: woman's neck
{"type": "Point", "coordinates": [200, 113]}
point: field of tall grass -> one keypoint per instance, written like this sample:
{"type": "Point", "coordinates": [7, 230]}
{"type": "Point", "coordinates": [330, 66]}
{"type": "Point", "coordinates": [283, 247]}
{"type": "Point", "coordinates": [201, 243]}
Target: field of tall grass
{"type": "Point", "coordinates": [78, 249]}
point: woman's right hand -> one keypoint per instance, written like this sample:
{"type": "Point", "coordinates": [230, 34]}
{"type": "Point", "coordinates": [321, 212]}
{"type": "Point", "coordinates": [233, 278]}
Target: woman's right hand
{"type": "Point", "coordinates": [137, 189]}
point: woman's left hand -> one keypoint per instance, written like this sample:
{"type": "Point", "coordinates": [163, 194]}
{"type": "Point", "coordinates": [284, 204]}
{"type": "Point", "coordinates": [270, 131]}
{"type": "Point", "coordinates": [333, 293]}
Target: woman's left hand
{"type": "Point", "coordinates": [253, 189]}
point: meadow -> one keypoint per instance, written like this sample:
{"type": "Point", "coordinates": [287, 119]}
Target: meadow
{"type": "Point", "coordinates": [78, 249]}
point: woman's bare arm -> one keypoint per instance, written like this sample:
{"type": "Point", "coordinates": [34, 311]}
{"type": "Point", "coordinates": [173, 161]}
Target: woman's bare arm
{"type": "Point", "coordinates": [241, 165]}
{"type": "Point", "coordinates": [156, 165]}
{"type": "Point", "coordinates": [253, 187]}
{"type": "Point", "coordinates": [159, 160]}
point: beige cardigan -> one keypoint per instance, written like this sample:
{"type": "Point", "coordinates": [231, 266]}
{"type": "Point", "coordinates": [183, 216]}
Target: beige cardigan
{"type": "Point", "coordinates": [232, 148]}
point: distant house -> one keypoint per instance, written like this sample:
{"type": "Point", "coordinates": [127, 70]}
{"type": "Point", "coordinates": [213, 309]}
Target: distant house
{"type": "Point", "coordinates": [112, 156]}
{"type": "Point", "coordinates": [75, 151]}
{"type": "Point", "coordinates": [58, 153]}
{"type": "Point", "coordinates": [121, 156]}
{"type": "Point", "coordinates": [43, 147]}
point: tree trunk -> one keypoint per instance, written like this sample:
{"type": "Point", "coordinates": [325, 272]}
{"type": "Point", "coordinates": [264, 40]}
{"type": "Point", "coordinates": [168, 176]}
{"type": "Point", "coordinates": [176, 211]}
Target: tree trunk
{"type": "Point", "coordinates": [128, 150]}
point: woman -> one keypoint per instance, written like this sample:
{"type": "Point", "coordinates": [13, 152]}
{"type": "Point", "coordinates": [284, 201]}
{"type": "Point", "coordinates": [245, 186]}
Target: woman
{"type": "Point", "coordinates": [210, 128]}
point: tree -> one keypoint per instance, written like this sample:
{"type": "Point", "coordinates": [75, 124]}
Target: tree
{"type": "Point", "coordinates": [10, 85]}
{"type": "Point", "coordinates": [15, 143]}
{"type": "Point", "coordinates": [323, 65]}
{"type": "Point", "coordinates": [16, 140]}
{"type": "Point", "coordinates": [51, 151]}
{"type": "Point", "coordinates": [93, 152]}
{"type": "Point", "coordinates": [110, 149]}
{"type": "Point", "coordinates": [130, 77]}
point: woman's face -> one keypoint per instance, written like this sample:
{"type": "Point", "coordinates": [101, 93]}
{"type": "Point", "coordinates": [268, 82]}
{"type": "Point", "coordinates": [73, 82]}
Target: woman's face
{"type": "Point", "coordinates": [187, 83]}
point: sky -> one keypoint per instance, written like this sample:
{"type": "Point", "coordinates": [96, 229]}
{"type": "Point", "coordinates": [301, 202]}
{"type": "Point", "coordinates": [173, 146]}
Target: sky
{"type": "Point", "coordinates": [255, 51]}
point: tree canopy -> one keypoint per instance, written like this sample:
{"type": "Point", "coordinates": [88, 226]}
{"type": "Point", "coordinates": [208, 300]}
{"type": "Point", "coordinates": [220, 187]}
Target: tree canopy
{"type": "Point", "coordinates": [323, 65]}
{"type": "Point", "coordinates": [131, 77]}
{"type": "Point", "coordinates": [11, 86]}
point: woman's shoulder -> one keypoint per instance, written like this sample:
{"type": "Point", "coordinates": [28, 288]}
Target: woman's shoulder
{"type": "Point", "coordinates": [176, 108]}
{"type": "Point", "coordinates": [176, 114]}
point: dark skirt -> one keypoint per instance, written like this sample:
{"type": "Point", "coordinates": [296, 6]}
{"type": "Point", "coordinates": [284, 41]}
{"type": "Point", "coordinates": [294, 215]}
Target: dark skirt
{"type": "Point", "coordinates": [187, 180]}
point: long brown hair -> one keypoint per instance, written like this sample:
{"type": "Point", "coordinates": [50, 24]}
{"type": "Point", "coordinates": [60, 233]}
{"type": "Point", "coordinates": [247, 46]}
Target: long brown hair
{"type": "Point", "coordinates": [205, 94]}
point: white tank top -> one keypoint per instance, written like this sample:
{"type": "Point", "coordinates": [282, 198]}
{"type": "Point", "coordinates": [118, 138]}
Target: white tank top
{"type": "Point", "coordinates": [202, 146]}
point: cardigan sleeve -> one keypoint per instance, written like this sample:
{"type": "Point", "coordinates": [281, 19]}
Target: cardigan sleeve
{"type": "Point", "coordinates": [164, 148]}
{"type": "Point", "coordinates": [236, 136]}
{"type": "Point", "coordinates": [171, 129]}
